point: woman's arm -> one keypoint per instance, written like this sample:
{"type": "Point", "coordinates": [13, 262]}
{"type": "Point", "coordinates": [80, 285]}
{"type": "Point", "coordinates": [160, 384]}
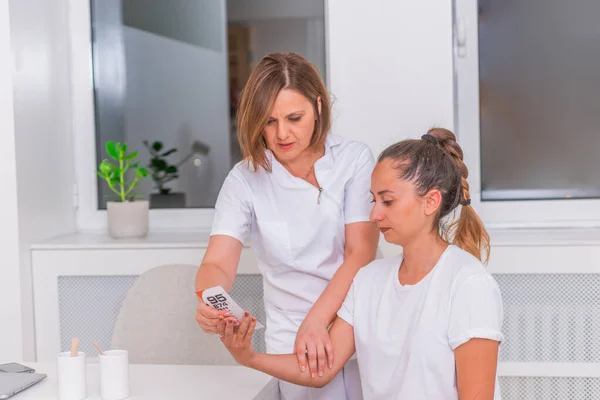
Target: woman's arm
{"type": "Point", "coordinates": [218, 268]}
{"type": "Point", "coordinates": [219, 265]}
{"type": "Point", "coordinates": [285, 367]}
{"type": "Point", "coordinates": [312, 337]}
{"type": "Point", "coordinates": [476, 362]}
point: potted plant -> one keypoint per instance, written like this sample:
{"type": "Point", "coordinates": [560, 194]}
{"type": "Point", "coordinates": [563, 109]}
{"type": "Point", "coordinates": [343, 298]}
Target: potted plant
{"type": "Point", "coordinates": [127, 217]}
{"type": "Point", "coordinates": [162, 172]}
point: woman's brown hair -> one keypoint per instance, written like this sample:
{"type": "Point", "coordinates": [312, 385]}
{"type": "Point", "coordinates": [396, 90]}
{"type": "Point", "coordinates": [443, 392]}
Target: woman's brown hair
{"type": "Point", "coordinates": [274, 73]}
{"type": "Point", "coordinates": [436, 162]}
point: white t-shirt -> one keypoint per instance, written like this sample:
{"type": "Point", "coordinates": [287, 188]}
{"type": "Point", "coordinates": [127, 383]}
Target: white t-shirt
{"type": "Point", "coordinates": [297, 232]}
{"type": "Point", "coordinates": [405, 336]}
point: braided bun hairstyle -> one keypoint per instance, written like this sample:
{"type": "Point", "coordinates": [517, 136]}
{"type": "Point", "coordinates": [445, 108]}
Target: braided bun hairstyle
{"type": "Point", "coordinates": [436, 162]}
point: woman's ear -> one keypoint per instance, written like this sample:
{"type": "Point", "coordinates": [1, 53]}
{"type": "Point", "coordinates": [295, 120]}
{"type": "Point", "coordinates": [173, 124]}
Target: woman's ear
{"type": "Point", "coordinates": [433, 200]}
{"type": "Point", "coordinates": [319, 106]}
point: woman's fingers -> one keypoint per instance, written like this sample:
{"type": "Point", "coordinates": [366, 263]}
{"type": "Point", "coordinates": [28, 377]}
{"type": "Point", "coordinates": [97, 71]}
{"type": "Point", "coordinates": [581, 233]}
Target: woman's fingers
{"type": "Point", "coordinates": [248, 337]}
{"type": "Point", "coordinates": [329, 351]}
{"type": "Point", "coordinates": [312, 358]}
{"type": "Point", "coordinates": [321, 358]}
{"type": "Point", "coordinates": [221, 327]}
{"type": "Point", "coordinates": [207, 325]}
{"type": "Point", "coordinates": [229, 336]}
{"type": "Point", "coordinates": [243, 328]}
{"type": "Point", "coordinates": [208, 318]}
{"type": "Point", "coordinates": [301, 354]}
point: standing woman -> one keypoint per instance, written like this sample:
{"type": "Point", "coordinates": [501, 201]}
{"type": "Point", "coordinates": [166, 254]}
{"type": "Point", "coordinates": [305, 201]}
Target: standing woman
{"type": "Point", "coordinates": [302, 195]}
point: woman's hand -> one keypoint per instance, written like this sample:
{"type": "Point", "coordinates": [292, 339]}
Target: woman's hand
{"type": "Point", "coordinates": [238, 337]}
{"type": "Point", "coordinates": [313, 342]}
{"type": "Point", "coordinates": [208, 318]}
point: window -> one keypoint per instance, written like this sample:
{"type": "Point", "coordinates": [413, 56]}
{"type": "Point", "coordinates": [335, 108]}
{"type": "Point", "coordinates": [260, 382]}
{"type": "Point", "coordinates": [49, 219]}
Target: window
{"type": "Point", "coordinates": [526, 83]}
{"type": "Point", "coordinates": [164, 78]}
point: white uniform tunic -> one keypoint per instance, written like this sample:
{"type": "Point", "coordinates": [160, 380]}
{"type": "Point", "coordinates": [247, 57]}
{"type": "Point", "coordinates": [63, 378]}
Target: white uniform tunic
{"type": "Point", "coordinates": [297, 231]}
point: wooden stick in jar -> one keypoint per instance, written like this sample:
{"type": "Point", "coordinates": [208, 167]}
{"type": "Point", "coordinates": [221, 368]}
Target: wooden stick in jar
{"type": "Point", "coordinates": [98, 348]}
{"type": "Point", "coordinates": [74, 347]}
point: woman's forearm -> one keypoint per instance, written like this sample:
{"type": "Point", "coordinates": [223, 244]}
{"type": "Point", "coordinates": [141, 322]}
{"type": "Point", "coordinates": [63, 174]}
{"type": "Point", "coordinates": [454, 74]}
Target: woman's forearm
{"type": "Point", "coordinates": [210, 275]}
{"type": "Point", "coordinates": [330, 301]}
{"type": "Point", "coordinates": [219, 265]}
{"type": "Point", "coordinates": [285, 367]}
{"type": "Point", "coordinates": [360, 250]}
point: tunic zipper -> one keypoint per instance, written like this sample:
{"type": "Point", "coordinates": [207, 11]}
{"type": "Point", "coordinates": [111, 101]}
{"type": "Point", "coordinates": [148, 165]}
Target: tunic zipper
{"type": "Point", "coordinates": [319, 197]}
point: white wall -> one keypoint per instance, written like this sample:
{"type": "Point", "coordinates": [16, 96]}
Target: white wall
{"type": "Point", "coordinates": [44, 152]}
{"type": "Point", "coordinates": [390, 70]}
{"type": "Point", "coordinates": [10, 290]}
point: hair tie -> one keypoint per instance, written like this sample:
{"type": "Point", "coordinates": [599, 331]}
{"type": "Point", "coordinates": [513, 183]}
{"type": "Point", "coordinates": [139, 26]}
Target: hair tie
{"type": "Point", "coordinates": [429, 138]}
{"type": "Point", "coordinates": [466, 203]}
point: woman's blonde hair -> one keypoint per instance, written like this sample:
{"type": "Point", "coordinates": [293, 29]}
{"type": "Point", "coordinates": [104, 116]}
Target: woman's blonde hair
{"type": "Point", "coordinates": [436, 162]}
{"type": "Point", "coordinates": [274, 73]}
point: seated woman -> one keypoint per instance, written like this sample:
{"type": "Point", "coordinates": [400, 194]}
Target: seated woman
{"type": "Point", "coordinates": [425, 324]}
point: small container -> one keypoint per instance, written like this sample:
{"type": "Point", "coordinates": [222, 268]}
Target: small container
{"type": "Point", "coordinates": [114, 375]}
{"type": "Point", "coordinates": [71, 375]}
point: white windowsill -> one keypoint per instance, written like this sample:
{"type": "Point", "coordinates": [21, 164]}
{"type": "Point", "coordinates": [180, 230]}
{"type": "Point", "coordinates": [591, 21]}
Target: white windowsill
{"type": "Point", "coordinates": [175, 239]}
{"type": "Point", "coordinates": [101, 241]}
{"type": "Point", "coordinates": [545, 237]}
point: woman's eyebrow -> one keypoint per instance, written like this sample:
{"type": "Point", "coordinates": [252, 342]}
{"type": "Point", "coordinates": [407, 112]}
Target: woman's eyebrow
{"type": "Point", "coordinates": [301, 112]}
{"type": "Point", "coordinates": [382, 192]}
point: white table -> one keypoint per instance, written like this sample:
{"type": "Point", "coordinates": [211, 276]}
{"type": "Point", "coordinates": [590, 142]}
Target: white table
{"type": "Point", "coordinates": [160, 382]}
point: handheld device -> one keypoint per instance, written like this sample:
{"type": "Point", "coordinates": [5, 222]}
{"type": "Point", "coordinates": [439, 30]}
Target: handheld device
{"type": "Point", "coordinates": [14, 367]}
{"type": "Point", "coordinates": [220, 300]}
{"type": "Point", "coordinates": [12, 383]}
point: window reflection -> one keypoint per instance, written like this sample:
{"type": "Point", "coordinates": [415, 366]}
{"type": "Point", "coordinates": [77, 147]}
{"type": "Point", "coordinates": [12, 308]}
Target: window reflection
{"type": "Point", "coordinates": [538, 83]}
{"type": "Point", "coordinates": [167, 76]}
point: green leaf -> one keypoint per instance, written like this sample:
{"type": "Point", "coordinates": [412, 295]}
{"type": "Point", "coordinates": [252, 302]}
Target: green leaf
{"type": "Point", "coordinates": [124, 148]}
{"type": "Point", "coordinates": [111, 149]}
{"type": "Point", "coordinates": [157, 146]}
{"type": "Point", "coordinates": [169, 152]}
{"type": "Point", "coordinates": [114, 176]}
{"type": "Point", "coordinates": [171, 169]}
{"type": "Point", "coordinates": [141, 173]}
{"type": "Point", "coordinates": [147, 145]}
{"type": "Point", "coordinates": [131, 156]}
{"type": "Point", "coordinates": [106, 167]}
{"type": "Point", "coordinates": [158, 164]}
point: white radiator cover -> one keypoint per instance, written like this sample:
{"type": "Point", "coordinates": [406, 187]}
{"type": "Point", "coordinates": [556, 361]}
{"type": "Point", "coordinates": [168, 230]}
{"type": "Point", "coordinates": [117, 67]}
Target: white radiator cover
{"type": "Point", "coordinates": [549, 318]}
{"type": "Point", "coordinates": [89, 306]}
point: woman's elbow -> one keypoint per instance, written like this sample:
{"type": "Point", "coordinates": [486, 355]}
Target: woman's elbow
{"type": "Point", "coordinates": [321, 382]}
{"type": "Point", "coordinates": [319, 385]}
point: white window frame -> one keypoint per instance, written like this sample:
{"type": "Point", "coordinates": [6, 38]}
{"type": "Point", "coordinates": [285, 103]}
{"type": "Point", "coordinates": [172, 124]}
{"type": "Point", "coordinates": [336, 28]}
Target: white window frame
{"type": "Point", "coordinates": [499, 214]}
{"type": "Point", "coordinates": [89, 217]}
